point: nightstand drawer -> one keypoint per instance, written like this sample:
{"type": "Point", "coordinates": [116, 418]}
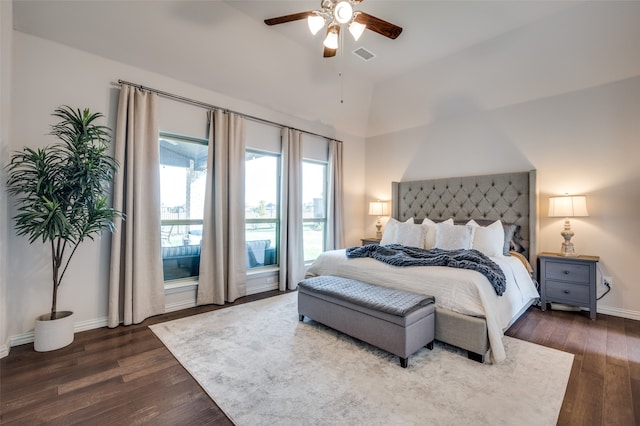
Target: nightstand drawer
{"type": "Point", "coordinates": [568, 292]}
{"type": "Point", "coordinates": [567, 272]}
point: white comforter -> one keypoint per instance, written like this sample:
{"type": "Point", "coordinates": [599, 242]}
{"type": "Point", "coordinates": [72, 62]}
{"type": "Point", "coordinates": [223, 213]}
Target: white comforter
{"type": "Point", "coordinates": [461, 290]}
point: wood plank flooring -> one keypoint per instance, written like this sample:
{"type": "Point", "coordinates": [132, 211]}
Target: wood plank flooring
{"type": "Point", "coordinates": [126, 376]}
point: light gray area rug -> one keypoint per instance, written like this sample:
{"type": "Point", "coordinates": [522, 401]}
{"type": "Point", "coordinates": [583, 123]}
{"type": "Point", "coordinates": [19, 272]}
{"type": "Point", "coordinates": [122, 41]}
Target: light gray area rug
{"type": "Point", "coordinates": [264, 367]}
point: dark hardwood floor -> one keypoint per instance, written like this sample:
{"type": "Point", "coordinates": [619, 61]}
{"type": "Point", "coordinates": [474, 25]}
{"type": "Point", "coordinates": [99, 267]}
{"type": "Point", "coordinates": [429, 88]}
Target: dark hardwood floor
{"type": "Point", "coordinates": [126, 376]}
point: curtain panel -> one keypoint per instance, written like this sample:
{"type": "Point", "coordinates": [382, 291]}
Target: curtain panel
{"type": "Point", "coordinates": [291, 243]}
{"type": "Point", "coordinates": [136, 286]}
{"type": "Point", "coordinates": [335, 199]}
{"type": "Point", "coordinates": [222, 259]}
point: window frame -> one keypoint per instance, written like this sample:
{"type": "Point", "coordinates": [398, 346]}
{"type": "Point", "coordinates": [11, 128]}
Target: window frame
{"type": "Point", "coordinates": [277, 219]}
{"type": "Point", "coordinates": [324, 219]}
{"type": "Point", "coordinates": [180, 222]}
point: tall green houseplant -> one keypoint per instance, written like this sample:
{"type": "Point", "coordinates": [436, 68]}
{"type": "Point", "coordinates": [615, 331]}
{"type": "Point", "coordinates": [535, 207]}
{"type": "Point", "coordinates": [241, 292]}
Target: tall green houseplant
{"type": "Point", "coordinates": [61, 190]}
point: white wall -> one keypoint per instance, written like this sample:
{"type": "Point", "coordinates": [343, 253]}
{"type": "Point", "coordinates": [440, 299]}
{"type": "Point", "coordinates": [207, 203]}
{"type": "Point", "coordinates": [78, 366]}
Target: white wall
{"type": "Point", "coordinates": [47, 75]}
{"type": "Point", "coordinates": [561, 97]}
{"type": "Point", "coordinates": [6, 34]}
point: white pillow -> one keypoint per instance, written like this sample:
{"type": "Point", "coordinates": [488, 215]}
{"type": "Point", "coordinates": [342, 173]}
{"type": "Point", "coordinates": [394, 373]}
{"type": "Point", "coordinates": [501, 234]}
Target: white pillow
{"type": "Point", "coordinates": [409, 234]}
{"type": "Point", "coordinates": [389, 234]}
{"type": "Point", "coordinates": [453, 237]}
{"type": "Point", "coordinates": [488, 239]}
{"type": "Point", "coordinates": [430, 232]}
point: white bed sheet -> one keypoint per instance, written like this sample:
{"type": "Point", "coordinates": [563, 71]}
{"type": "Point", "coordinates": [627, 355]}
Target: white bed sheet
{"type": "Point", "coordinates": [460, 290]}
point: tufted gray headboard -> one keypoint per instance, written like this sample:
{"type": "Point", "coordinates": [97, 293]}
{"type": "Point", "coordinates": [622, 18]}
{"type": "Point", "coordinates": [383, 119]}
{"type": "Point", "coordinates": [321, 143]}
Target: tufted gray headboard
{"type": "Point", "coordinates": [510, 197]}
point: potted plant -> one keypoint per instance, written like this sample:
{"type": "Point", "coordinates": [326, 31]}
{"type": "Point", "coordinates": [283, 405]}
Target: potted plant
{"type": "Point", "coordinates": [61, 195]}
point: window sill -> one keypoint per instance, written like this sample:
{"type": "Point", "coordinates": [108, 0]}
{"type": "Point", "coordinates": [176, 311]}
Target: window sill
{"type": "Point", "coordinates": [176, 286]}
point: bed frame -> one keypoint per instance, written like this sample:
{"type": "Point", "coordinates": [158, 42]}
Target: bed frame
{"type": "Point", "coordinates": [510, 197]}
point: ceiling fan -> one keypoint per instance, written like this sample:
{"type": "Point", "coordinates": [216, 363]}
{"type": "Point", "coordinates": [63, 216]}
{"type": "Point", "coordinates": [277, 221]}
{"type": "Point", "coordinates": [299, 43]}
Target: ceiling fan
{"type": "Point", "coordinates": [334, 14]}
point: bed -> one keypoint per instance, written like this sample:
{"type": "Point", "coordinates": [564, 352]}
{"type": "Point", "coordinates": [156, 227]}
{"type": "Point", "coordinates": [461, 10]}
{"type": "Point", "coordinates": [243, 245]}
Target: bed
{"type": "Point", "coordinates": [469, 313]}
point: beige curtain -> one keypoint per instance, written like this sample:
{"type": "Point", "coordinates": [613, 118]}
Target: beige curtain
{"type": "Point", "coordinates": [222, 259]}
{"type": "Point", "coordinates": [291, 242]}
{"type": "Point", "coordinates": [136, 286]}
{"type": "Point", "coordinates": [335, 204]}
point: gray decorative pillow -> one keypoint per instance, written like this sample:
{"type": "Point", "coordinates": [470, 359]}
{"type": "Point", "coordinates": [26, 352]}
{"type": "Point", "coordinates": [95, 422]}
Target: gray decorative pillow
{"type": "Point", "coordinates": [509, 233]}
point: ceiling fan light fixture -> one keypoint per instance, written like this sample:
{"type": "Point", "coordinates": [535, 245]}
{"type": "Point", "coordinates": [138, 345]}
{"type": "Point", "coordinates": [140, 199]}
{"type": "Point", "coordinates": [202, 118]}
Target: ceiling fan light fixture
{"type": "Point", "coordinates": [343, 12]}
{"type": "Point", "coordinates": [356, 29]}
{"type": "Point", "coordinates": [331, 41]}
{"type": "Point", "coordinates": [315, 22]}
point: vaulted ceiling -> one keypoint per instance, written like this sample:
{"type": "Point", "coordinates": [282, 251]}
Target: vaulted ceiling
{"type": "Point", "coordinates": [224, 46]}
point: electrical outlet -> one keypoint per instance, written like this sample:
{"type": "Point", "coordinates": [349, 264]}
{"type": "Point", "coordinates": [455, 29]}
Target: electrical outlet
{"type": "Point", "coordinates": [607, 281]}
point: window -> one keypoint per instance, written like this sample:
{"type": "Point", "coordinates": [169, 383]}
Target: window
{"type": "Point", "coordinates": [314, 208]}
{"type": "Point", "coordinates": [183, 172]}
{"type": "Point", "coordinates": [262, 210]}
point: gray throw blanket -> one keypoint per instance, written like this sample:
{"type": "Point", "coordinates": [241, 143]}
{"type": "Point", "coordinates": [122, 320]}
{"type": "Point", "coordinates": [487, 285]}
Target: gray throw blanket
{"type": "Point", "coordinates": [399, 255]}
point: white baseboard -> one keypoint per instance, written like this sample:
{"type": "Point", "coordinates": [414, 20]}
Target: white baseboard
{"type": "Point", "coordinates": [4, 351]}
{"type": "Point", "coordinates": [618, 312]}
{"type": "Point", "coordinates": [24, 338]}
{"type": "Point", "coordinates": [171, 307]}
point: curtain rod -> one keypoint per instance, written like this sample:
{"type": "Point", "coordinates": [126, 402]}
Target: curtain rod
{"type": "Point", "coordinates": [209, 106]}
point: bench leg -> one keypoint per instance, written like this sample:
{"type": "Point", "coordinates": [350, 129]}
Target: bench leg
{"type": "Point", "coordinates": [300, 317]}
{"type": "Point", "coordinates": [404, 362]}
{"type": "Point", "coordinates": [430, 345]}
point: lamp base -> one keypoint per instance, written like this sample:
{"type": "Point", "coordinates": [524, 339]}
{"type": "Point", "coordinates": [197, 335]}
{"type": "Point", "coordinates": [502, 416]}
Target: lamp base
{"type": "Point", "coordinates": [567, 247]}
{"type": "Point", "coordinates": [378, 232]}
{"type": "Point", "coordinates": [568, 250]}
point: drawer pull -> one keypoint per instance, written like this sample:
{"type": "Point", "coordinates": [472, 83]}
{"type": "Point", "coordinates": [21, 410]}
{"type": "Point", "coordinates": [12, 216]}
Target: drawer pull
{"type": "Point", "coordinates": [567, 272]}
{"type": "Point", "coordinates": [566, 291]}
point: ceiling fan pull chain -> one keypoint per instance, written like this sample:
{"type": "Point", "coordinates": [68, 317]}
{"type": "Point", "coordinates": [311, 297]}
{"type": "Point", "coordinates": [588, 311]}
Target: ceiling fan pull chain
{"type": "Point", "coordinates": [341, 53]}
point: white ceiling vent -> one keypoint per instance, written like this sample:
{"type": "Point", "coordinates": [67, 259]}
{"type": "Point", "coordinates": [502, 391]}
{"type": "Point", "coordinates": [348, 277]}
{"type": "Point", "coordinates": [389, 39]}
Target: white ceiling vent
{"type": "Point", "coordinates": [364, 54]}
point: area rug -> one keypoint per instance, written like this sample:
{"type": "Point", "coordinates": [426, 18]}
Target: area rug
{"type": "Point", "coordinates": [264, 367]}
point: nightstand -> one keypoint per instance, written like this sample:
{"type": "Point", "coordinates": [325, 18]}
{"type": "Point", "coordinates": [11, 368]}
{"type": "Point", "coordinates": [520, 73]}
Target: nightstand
{"type": "Point", "coordinates": [568, 280]}
{"type": "Point", "coordinates": [370, 240]}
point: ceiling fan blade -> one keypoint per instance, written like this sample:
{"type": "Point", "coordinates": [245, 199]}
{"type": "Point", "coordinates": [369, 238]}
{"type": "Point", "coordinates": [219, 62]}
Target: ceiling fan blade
{"type": "Point", "coordinates": [379, 26]}
{"type": "Point", "coordinates": [288, 18]}
{"type": "Point", "coordinates": [329, 53]}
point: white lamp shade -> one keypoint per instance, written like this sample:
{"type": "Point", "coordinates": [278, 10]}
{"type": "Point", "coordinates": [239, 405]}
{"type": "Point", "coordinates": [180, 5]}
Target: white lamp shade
{"type": "Point", "coordinates": [331, 42]}
{"type": "Point", "coordinates": [378, 208]}
{"type": "Point", "coordinates": [568, 206]}
{"type": "Point", "coordinates": [343, 12]}
{"type": "Point", "coordinates": [356, 29]}
{"type": "Point", "coordinates": [315, 22]}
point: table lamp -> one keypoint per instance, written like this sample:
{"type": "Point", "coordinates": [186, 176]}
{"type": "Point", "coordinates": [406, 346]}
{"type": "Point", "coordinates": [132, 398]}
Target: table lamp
{"type": "Point", "coordinates": [378, 208]}
{"type": "Point", "coordinates": [568, 206]}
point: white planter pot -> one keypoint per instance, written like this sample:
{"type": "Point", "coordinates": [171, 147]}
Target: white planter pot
{"type": "Point", "coordinates": [53, 334]}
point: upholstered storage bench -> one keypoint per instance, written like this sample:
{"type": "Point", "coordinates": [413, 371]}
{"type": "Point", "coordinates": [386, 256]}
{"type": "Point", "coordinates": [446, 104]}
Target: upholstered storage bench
{"type": "Point", "coordinates": [397, 321]}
